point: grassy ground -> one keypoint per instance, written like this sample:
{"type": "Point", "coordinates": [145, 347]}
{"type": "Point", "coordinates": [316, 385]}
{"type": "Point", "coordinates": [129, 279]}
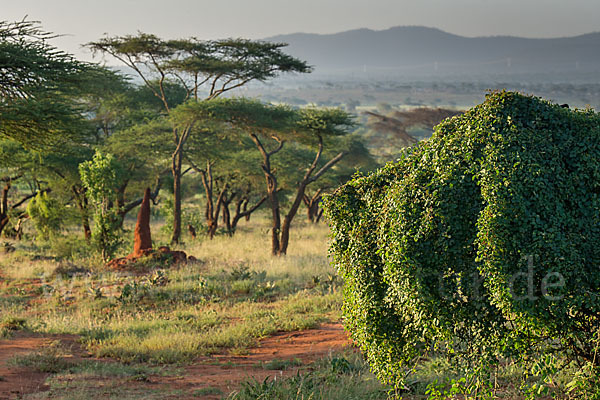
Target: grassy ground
{"type": "Point", "coordinates": [144, 327]}
{"type": "Point", "coordinates": [236, 294]}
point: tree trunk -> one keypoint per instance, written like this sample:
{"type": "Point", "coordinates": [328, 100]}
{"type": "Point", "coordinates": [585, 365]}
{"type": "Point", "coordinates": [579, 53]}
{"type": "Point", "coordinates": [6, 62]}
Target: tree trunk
{"type": "Point", "coordinates": [287, 221]}
{"type": "Point", "coordinates": [179, 138]}
{"type": "Point", "coordinates": [242, 211]}
{"type": "Point", "coordinates": [272, 191]}
{"type": "Point", "coordinates": [5, 209]}
{"type": "Point", "coordinates": [276, 226]}
{"type": "Point", "coordinates": [227, 214]}
{"type": "Point", "coordinates": [308, 179]}
{"type": "Point", "coordinates": [4, 218]}
{"type": "Point", "coordinates": [176, 170]}
{"type": "Point", "coordinates": [82, 203]}
{"type": "Point", "coordinates": [121, 204]}
{"type": "Point", "coordinates": [312, 205]}
{"type": "Point", "coordinates": [3, 222]}
{"type": "Point", "coordinates": [214, 219]}
{"type": "Point", "coordinates": [319, 215]}
{"type": "Point", "coordinates": [309, 215]}
{"type": "Point", "coordinates": [244, 208]}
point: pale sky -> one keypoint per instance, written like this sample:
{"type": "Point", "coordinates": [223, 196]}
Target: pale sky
{"type": "Point", "coordinates": [86, 20]}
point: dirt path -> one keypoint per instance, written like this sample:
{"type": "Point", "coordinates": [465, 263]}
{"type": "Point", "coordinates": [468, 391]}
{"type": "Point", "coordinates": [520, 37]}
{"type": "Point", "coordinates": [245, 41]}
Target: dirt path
{"type": "Point", "coordinates": [226, 372]}
{"type": "Point", "coordinates": [15, 382]}
{"type": "Point", "coordinates": [218, 373]}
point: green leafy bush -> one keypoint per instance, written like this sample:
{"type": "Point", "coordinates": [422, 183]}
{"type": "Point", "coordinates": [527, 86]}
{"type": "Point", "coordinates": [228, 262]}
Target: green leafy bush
{"type": "Point", "coordinates": [47, 215]}
{"type": "Point", "coordinates": [100, 177]}
{"type": "Point", "coordinates": [480, 243]}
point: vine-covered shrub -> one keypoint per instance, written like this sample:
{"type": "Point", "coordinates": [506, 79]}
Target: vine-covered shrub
{"type": "Point", "coordinates": [480, 243]}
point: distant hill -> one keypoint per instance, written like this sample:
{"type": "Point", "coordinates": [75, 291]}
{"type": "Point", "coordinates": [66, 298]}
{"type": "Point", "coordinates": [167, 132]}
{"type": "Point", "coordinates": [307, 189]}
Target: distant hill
{"type": "Point", "coordinates": [418, 50]}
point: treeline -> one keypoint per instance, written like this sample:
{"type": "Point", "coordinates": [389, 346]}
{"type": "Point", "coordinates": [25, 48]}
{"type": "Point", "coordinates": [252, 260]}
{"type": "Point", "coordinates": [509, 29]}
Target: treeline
{"type": "Point", "coordinates": [80, 136]}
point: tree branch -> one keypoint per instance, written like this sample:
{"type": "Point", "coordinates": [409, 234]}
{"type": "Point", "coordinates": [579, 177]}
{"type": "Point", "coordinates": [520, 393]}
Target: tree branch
{"type": "Point", "coordinates": [325, 167]}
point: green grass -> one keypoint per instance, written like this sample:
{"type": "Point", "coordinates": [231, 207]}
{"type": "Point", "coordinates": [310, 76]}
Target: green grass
{"type": "Point", "coordinates": [50, 358]}
{"type": "Point", "coordinates": [236, 294]}
{"type": "Point", "coordinates": [338, 377]}
{"type": "Point", "coordinates": [194, 331]}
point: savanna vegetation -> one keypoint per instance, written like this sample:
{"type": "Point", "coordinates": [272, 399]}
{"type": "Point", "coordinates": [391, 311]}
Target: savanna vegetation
{"type": "Point", "coordinates": [427, 248]}
{"type": "Point", "coordinates": [228, 176]}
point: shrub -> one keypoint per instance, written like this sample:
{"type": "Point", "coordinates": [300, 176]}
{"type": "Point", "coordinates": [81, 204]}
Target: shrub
{"type": "Point", "coordinates": [47, 215]}
{"type": "Point", "coordinates": [480, 243]}
{"type": "Point", "coordinates": [100, 176]}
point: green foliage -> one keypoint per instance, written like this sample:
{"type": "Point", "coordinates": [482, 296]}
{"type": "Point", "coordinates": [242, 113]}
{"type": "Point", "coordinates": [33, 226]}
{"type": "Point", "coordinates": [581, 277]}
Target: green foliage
{"type": "Point", "coordinates": [100, 177]}
{"type": "Point", "coordinates": [325, 121]}
{"type": "Point", "coordinates": [220, 65]}
{"type": "Point", "coordinates": [478, 244]}
{"type": "Point", "coordinates": [37, 83]}
{"type": "Point", "coordinates": [339, 376]}
{"type": "Point", "coordinates": [70, 247]}
{"type": "Point", "coordinates": [47, 215]}
{"type": "Point", "coordinates": [240, 113]}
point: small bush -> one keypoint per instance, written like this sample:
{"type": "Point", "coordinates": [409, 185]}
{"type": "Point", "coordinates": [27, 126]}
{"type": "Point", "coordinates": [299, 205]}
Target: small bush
{"type": "Point", "coordinates": [47, 214]}
{"type": "Point", "coordinates": [11, 324]}
{"type": "Point", "coordinates": [70, 248]}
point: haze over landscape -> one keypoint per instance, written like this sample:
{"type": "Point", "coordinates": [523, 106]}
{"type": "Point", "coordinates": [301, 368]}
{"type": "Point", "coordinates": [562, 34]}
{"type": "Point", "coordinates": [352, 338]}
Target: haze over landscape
{"type": "Point", "coordinates": [420, 51]}
{"type": "Point", "coordinates": [83, 21]}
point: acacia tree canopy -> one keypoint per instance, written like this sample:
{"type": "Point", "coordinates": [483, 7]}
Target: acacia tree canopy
{"type": "Point", "coordinates": [215, 67]}
{"type": "Point", "coordinates": [37, 84]}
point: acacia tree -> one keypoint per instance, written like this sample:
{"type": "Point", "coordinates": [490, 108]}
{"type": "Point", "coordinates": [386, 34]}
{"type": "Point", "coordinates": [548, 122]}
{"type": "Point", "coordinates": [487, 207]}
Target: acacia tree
{"type": "Point", "coordinates": [37, 85]}
{"type": "Point", "coordinates": [206, 69]}
{"type": "Point", "coordinates": [245, 118]}
{"type": "Point", "coordinates": [225, 162]}
{"type": "Point", "coordinates": [358, 158]}
{"type": "Point", "coordinates": [317, 124]}
{"type": "Point", "coordinates": [270, 127]}
{"type": "Point", "coordinates": [130, 126]}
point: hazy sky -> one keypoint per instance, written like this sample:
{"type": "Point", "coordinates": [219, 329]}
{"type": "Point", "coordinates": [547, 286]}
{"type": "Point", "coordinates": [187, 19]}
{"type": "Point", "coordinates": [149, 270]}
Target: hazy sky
{"type": "Point", "coordinates": [86, 20]}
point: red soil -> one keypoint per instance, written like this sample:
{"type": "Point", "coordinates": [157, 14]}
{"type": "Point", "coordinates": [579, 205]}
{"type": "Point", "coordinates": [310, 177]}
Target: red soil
{"type": "Point", "coordinates": [16, 381]}
{"type": "Point", "coordinates": [226, 372]}
{"type": "Point", "coordinates": [223, 372]}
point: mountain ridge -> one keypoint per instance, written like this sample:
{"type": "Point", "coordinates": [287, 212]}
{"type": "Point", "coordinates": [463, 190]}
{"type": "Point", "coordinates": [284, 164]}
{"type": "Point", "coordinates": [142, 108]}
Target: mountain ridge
{"type": "Point", "coordinates": [439, 52]}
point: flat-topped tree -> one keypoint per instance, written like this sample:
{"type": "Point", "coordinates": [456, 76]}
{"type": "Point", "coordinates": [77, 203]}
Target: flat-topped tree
{"type": "Point", "coordinates": [206, 69]}
{"type": "Point", "coordinates": [308, 132]}
{"type": "Point", "coordinates": [318, 124]}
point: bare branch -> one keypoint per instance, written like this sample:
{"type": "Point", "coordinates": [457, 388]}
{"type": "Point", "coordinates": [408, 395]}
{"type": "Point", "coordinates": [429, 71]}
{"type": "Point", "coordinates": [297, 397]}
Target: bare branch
{"type": "Point", "coordinates": [327, 166]}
